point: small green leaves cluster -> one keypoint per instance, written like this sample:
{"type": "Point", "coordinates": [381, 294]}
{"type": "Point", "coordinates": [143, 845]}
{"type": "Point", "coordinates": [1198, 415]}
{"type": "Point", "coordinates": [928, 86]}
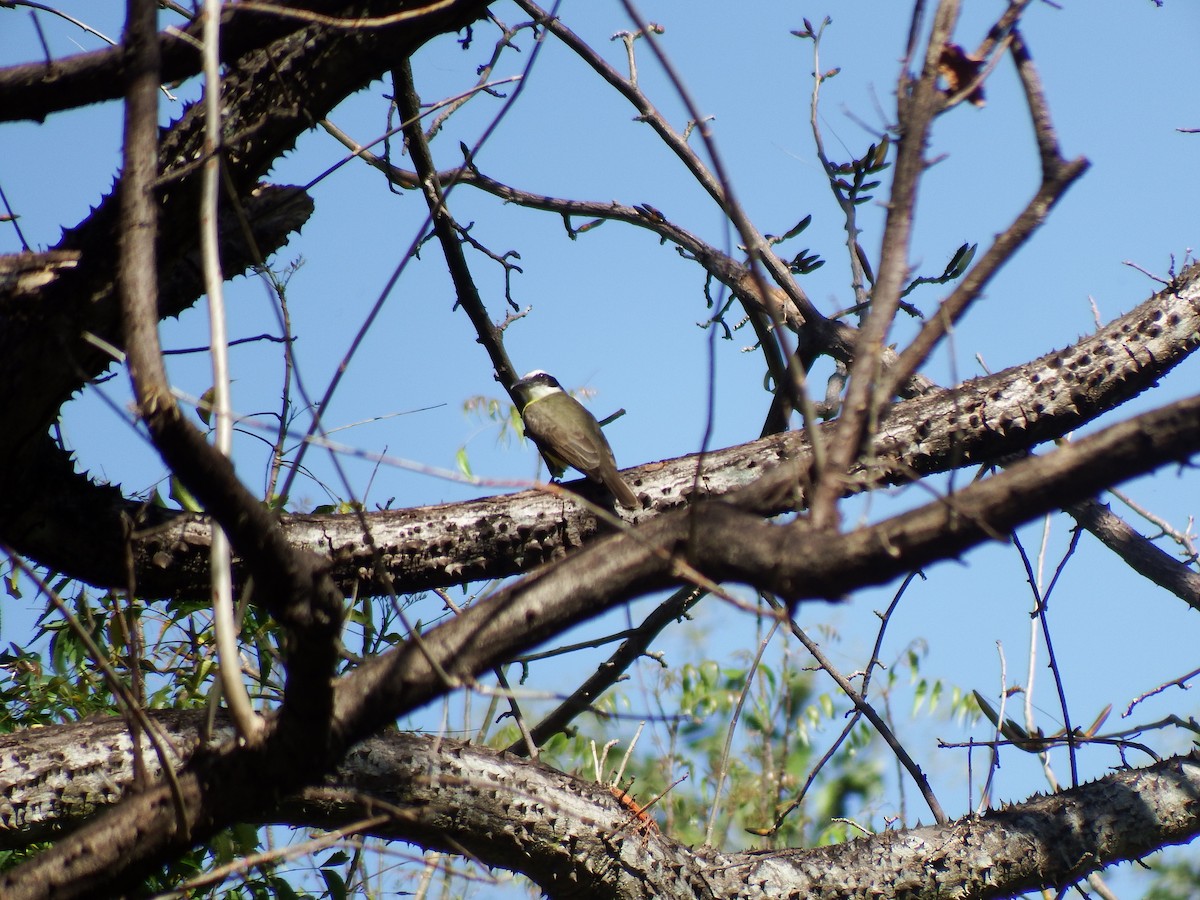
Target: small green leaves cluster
{"type": "Point", "coordinates": [805, 261]}
{"type": "Point", "coordinates": [853, 181]}
{"type": "Point", "coordinates": [958, 265]}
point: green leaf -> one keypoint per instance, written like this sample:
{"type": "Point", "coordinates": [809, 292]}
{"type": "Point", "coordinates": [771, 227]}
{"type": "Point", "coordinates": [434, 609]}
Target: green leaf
{"type": "Point", "coordinates": [463, 463]}
{"type": "Point", "coordinates": [961, 261]}
{"type": "Point", "coordinates": [334, 883]}
{"type": "Point", "coordinates": [826, 702]}
{"type": "Point", "coordinates": [183, 496]}
{"type": "Point", "coordinates": [204, 409]}
{"type": "Point", "coordinates": [799, 227]}
{"type": "Point", "coordinates": [919, 695]}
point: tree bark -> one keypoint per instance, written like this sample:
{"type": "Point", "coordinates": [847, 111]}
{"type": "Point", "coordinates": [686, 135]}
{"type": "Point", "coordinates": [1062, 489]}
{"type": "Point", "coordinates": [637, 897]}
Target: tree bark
{"type": "Point", "coordinates": [51, 340]}
{"type": "Point", "coordinates": [704, 520]}
{"type": "Point", "coordinates": [577, 838]}
{"type": "Point", "coordinates": [983, 420]}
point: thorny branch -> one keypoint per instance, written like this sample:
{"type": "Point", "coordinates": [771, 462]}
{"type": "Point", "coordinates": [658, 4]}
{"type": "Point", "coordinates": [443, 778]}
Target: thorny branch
{"type": "Point", "coordinates": [800, 561]}
{"type": "Point", "coordinates": [918, 104]}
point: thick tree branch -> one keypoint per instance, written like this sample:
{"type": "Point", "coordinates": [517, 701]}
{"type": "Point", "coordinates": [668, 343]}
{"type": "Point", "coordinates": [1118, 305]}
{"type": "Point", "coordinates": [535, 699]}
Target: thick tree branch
{"type": "Point", "coordinates": [271, 97]}
{"type": "Point", "coordinates": [714, 538]}
{"type": "Point", "coordinates": [48, 348]}
{"type": "Point", "coordinates": [708, 522]}
{"type": "Point", "coordinates": [35, 90]}
{"type": "Point", "coordinates": [571, 835]}
{"type": "Point", "coordinates": [983, 420]}
{"type": "Point", "coordinates": [725, 543]}
{"type": "Point", "coordinates": [918, 105]}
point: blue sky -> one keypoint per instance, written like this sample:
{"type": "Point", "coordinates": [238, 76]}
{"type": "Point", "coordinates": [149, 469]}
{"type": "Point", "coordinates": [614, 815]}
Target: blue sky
{"type": "Point", "coordinates": [616, 313]}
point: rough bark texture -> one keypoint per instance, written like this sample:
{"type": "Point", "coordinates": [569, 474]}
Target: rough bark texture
{"type": "Point", "coordinates": [984, 419]}
{"type": "Point", "coordinates": [37, 90]}
{"type": "Point", "coordinates": [272, 95]}
{"type": "Point", "coordinates": [716, 539]}
{"type": "Point", "coordinates": [576, 838]}
{"type": "Point", "coordinates": [701, 517]}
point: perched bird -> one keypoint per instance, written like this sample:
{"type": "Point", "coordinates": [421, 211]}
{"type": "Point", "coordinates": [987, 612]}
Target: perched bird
{"type": "Point", "coordinates": [568, 435]}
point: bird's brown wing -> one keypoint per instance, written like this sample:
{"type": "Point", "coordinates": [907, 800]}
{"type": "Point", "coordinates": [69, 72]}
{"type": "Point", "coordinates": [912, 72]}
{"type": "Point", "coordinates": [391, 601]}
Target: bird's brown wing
{"type": "Point", "coordinates": [578, 447]}
{"type": "Point", "coordinates": [582, 446]}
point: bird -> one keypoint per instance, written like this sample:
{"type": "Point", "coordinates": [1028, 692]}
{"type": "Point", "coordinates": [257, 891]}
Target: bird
{"type": "Point", "coordinates": [567, 434]}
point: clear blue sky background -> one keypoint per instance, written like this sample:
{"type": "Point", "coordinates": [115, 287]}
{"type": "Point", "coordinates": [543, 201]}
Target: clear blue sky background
{"type": "Point", "coordinates": [616, 313]}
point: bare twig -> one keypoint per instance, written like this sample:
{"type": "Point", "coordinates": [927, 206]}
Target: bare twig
{"type": "Point", "coordinates": [855, 252]}
{"type": "Point", "coordinates": [1057, 176]}
{"type": "Point", "coordinates": [1183, 538]}
{"type": "Point", "coordinates": [994, 755]}
{"type": "Point", "coordinates": [885, 618]}
{"type": "Point", "coordinates": [1180, 682]}
{"type": "Point", "coordinates": [835, 339]}
{"type": "Point", "coordinates": [78, 23]}
{"type": "Point", "coordinates": [611, 670]}
{"type": "Point", "coordinates": [12, 217]}
{"type": "Point", "coordinates": [377, 307]}
{"type": "Point", "coordinates": [730, 730]}
{"type": "Point", "coordinates": [249, 725]}
{"type": "Point", "coordinates": [1138, 552]}
{"type": "Point", "coordinates": [717, 185]}
{"type": "Point", "coordinates": [400, 177]}
{"type": "Point", "coordinates": [445, 228]}
{"type": "Point", "coordinates": [865, 394]}
{"type": "Point", "coordinates": [1042, 599]}
{"type": "Point", "coordinates": [505, 689]}
{"type": "Point", "coordinates": [871, 715]}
